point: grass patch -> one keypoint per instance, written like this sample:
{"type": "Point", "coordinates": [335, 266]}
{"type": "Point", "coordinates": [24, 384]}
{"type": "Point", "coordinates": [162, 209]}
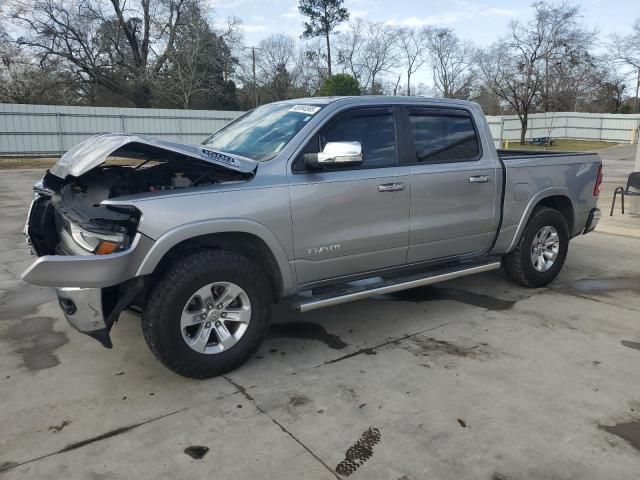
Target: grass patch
{"type": "Point", "coordinates": [564, 145]}
{"type": "Point", "coordinates": [17, 163]}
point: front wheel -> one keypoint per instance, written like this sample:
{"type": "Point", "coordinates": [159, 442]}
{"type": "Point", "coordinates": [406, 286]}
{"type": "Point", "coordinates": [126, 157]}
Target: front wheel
{"type": "Point", "coordinates": [208, 314]}
{"type": "Point", "coordinates": [541, 252]}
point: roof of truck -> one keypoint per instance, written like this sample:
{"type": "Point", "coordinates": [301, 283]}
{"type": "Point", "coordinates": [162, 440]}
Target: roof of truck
{"type": "Point", "coordinates": [374, 98]}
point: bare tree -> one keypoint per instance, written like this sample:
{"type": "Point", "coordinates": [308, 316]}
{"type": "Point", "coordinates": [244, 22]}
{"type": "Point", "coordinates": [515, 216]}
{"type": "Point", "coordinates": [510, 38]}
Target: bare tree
{"type": "Point", "coordinates": [23, 80]}
{"type": "Point", "coordinates": [608, 87]}
{"type": "Point", "coordinates": [366, 50]}
{"type": "Point", "coordinates": [520, 68]}
{"type": "Point", "coordinates": [451, 61]}
{"type": "Point", "coordinates": [310, 62]}
{"type": "Point", "coordinates": [350, 43]}
{"type": "Point", "coordinates": [114, 44]}
{"type": "Point", "coordinates": [379, 54]}
{"type": "Point", "coordinates": [512, 75]}
{"type": "Point", "coordinates": [564, 52]}
{"type": "Point", "coordinates": [626, 49]}
{"type": "Point", "coordinates": [413, 43]}
{"type": "Point", "coordinates": [276, 65]}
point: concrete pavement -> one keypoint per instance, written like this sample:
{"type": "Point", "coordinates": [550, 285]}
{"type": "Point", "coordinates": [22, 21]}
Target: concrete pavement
{"type": "Point", "coordinates": [617, 163]}
{"type": "Point", "coordinates": [472, 379]}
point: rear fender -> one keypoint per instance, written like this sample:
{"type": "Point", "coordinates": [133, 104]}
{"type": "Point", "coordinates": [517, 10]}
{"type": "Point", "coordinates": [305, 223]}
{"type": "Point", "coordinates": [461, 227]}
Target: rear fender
{"type": "Point", "coordinates": [533, 202]}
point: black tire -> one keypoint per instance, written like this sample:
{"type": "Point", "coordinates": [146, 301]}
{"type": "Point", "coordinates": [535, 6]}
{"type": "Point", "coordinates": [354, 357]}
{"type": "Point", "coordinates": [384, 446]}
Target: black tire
{"type": "Point", "coordinates": [161, 316]}
{"type": "Point", "coordinates": [518, 264]}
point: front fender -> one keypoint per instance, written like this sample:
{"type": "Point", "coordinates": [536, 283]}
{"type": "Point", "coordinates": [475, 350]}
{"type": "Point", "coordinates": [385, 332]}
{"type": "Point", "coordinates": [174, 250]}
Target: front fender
{"type": "Point", "coordinates": [229, 225]}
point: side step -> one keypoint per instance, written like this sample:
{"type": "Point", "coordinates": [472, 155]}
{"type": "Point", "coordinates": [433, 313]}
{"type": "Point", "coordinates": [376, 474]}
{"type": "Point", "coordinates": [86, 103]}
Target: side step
{"type": "Point", "coordinates": [355, 291]}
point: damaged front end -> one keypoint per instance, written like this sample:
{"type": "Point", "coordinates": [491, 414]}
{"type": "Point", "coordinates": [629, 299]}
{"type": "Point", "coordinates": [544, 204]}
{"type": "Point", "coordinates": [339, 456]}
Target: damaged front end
{"type": "Point", "coordinates": [89, 250]}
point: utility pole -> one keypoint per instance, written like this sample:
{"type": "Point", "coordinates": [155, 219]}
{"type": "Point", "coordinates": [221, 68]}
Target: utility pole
{"type": "Point", "coordinates": [635, 201]}
{"type": "Point", "coordinates": [637, 109]}
{"type": "Point", "coordinates": [255, 86]}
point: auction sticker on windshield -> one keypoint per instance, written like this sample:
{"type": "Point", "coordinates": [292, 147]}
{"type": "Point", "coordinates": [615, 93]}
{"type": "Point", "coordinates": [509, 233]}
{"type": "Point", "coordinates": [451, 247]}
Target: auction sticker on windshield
{"type": "Point", "coordinates": [308, 109]}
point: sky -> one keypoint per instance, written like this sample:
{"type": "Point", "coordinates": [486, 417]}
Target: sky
{"type": "Point", "coordinates": [479, 21]}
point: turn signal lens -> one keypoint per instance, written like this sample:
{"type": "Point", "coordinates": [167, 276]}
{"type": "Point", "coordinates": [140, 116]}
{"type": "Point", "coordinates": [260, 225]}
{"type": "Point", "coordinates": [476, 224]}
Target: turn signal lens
{"type": "Point", "coordinates": [96, 243]}
{"type": "Point", "coordinates": [105, 247]}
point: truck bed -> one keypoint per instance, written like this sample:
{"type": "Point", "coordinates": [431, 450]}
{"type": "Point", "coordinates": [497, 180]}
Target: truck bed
{"type": "Point", "coordinates": [531, 175]}
{"type": "Point", "coordinates": [502, 153]}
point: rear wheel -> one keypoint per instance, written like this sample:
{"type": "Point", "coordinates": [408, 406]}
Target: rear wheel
{"type": "Point", "coordinates": [541, 252]}
{"type": "Point", "coordinates": [208, 314]}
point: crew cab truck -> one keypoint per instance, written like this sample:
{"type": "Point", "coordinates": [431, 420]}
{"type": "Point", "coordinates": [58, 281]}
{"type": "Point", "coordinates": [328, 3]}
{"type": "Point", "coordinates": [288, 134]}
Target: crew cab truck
{"type": "Point", "coordinates": [316, 201]}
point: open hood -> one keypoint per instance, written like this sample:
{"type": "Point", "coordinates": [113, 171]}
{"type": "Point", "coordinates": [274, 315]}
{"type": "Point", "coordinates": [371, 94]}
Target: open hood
{"type": "Point", "coordinates": [95, 150]}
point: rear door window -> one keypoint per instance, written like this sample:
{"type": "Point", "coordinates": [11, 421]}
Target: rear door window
{"type": "Point", "coordinates": [443, 136]}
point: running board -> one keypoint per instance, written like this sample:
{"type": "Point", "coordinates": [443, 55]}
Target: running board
{"type": "Point", "coordinates": [351, 293]}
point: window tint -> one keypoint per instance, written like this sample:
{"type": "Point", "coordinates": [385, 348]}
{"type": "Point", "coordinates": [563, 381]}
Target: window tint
{"type": "Point", "coordinates": [443, 137]}
{"type": "Point", "coordinates": [374, 131]}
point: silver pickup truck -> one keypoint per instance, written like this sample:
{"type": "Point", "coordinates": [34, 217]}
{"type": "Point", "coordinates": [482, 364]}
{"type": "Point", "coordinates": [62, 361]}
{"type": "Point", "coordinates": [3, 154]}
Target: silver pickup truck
{"type": "Point", "coordinates": [316, 202]}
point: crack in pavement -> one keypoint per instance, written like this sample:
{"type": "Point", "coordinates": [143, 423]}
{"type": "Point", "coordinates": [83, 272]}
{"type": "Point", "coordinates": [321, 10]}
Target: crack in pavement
{"type": "Point", "coordinates": [244, 392]}
{"type": "Point", "coordinates": [370, 350]}
{"type": "Point", "coordinates": [584, 297]}
{"type": "Point", "coordinates": [103, 436]}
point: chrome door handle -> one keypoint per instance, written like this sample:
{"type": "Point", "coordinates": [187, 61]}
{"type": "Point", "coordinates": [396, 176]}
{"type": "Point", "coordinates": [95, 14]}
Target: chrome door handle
{"type": "Point", "coordinates": [391, 187]}
{"type": "Point", "coordinates": [387, 187]}
{"type": "Point", "coordinates": [479, 179]}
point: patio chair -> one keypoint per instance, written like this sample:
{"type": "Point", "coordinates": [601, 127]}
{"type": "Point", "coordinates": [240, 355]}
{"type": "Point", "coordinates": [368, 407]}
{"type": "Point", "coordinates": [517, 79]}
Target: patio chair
{"type": "Point", "coordinates": [632, 182]}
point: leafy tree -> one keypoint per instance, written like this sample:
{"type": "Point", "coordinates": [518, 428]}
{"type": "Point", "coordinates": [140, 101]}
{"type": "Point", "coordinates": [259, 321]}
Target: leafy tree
{"type": "Point", "coordinates": [324, 16]}
{"type": "Point", "coordinates": [193, 75]}
{"type": "Point", "coordinates": [340, 84]}
{"type": "Point", "coordinates": [282, 83]}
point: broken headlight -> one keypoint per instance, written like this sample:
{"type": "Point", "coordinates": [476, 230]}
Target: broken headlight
{"type": "Point", "coordinates": [90, 242]}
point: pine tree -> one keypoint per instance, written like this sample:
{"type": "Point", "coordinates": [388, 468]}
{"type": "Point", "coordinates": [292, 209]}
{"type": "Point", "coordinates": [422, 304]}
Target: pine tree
{"type": "Point", "coordinates": [324, 16]}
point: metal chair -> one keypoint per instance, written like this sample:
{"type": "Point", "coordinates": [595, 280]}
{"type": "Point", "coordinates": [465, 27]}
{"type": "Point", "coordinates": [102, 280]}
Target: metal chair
{"type": "Point", "coordinates": [632, 182]}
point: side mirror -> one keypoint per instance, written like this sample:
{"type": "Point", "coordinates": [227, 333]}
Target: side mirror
{"type": "Point", "coordinates": [335, 153]}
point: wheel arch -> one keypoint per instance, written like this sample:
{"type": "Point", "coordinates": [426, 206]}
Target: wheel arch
{"type": "Point", "coordinates": [250, 239]}
{"type": "Point", "coordinates": [562, 204]}
{"type": "Point", "coordinates": [556, 198]}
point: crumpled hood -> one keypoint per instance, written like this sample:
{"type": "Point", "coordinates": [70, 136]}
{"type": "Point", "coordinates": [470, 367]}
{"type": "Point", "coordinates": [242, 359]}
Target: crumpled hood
{"type": "Point", "coordinates": [95, 150]}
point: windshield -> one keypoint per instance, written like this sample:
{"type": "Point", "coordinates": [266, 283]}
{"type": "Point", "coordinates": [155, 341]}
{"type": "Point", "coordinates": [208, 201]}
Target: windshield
{"type": "Point", "coordinates": [263, 132]}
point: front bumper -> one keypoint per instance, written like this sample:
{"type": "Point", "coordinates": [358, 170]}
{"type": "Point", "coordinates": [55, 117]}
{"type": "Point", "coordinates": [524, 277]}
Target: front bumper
{"type": "Point", "coordinates": [89, 271]}
{"type": "Point", "coordinates": [592, 220]}
{"type": "Point", "coordinates": [82, 308]}
{"type": "Point", "coordinates": [93, 311]}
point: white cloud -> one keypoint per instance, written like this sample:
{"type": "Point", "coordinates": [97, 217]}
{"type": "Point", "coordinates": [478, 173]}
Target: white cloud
{"type": "Point", "coordinates": [293, 12]}
{"type": "Point", "coordinates": [225, 4]}
{"type": "Point", "coordinates": [445, 18]}
{"type": "Point", "coordinates": [359, 13]}
{"type": "Point", "coordinates": [497, 12]}
{"type": "Point", "coordinates": [465, 10]}
{"type": "Point", "coordinates": [253, 28]}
